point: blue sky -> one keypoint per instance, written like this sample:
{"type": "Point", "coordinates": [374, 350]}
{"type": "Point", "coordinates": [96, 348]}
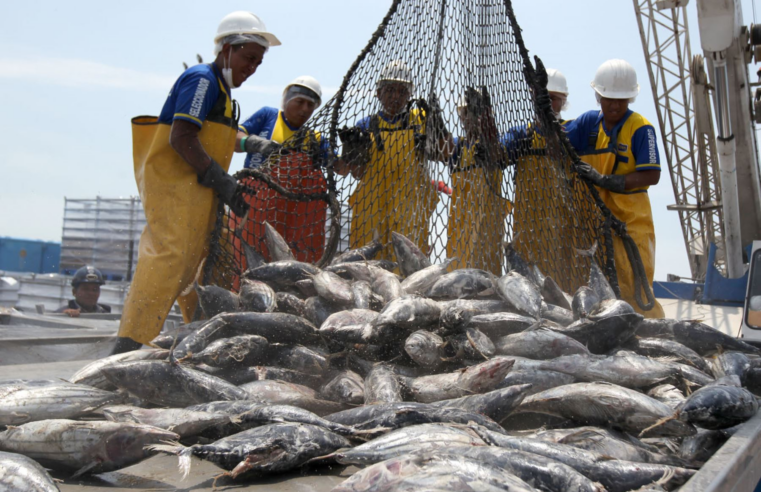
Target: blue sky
{"type": "Point", "coordinates": [72, 74]}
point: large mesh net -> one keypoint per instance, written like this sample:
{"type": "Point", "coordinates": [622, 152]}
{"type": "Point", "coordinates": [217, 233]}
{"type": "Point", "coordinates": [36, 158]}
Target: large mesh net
{"type": "Point", "coordinates": [442, 130]}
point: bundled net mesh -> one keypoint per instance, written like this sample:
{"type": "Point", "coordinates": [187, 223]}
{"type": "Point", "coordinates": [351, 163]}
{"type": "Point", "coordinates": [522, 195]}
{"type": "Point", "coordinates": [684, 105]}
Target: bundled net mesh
{"type": "Point", "coordinates": [441, 131]}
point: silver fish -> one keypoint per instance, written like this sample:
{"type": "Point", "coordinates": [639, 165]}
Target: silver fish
{"type": "Point", "coordinates": [382, 386]}
{"type": "Point", "coordinates": [91, 374]}
{"type": "Point", "coordinates": [425, 348]}
{"type": "Point", "coordinates": [422, 280]}
{"type": "Point", "coordinates": [83, 447]}
{"type": "Point", "coordinates": [345, 387]}
{"type": "Point", "coordinates": [475, 379]}
{"type": "Point", "coordinates": [333, 289]}
{"type": "Point", "coordinates": [257, 296]}
{"type": "Point", "coordinates": [21, 474]}
{"type": "Point", "coordinates": [584, 301]}
{"type": "Point", "coordinates": [606, 404]}
{"type": "Point", "coordinates": [178, 420]}
{"type": "Point", "coordinates": [408, 255]}
{"type": "Point", "coordinates": [20, 404]}
{"type": "Point", "coordinates": [539, 343]}
{"type": "Point", "coordinates": [464, 283]}
{"type": "Point", "coordinates": [520, 293]}
{"type": "Point", "coordinates": [272, 448]}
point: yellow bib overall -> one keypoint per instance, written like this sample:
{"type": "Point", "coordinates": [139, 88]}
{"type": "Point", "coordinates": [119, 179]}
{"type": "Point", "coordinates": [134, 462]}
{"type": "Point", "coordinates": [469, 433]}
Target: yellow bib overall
{"type": "Point", "coordinates": [613, 155]}
{"type": "Point", "coordinates": [544, 231]}
{"type": "Point", "coordinates": [180, 215]}
{"type": "Point", "coordinates": [477, 215]}
{"type": "Point", "coordinates": [395, 193]}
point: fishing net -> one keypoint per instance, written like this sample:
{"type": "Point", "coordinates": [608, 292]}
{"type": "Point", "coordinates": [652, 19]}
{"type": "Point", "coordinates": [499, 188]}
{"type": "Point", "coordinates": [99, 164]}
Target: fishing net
{"type": "Point", "coordinates": [442, 130]}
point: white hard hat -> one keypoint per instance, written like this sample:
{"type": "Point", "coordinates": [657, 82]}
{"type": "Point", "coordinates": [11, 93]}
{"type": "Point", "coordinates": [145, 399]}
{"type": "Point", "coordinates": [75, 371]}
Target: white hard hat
{"type": "Point", "coordinates": [242, 22]}
{"type": "Point", "coordinates": [556, 81]}
{"type": "Point", "coordinates": [303, 86]}
{"type": "Point", "coordinates": [616, 79]}
{"type": "Point", "coordinates": [396, 71]}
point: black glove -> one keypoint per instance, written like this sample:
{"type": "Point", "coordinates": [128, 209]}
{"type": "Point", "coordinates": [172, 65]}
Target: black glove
{"type": "Point", "coordinates": [435, 119]}
{"type": "Point", "coordinates": [612, 182]}
{"type": "Point", "coordinates": [226, 187]}
{"type": "Point", "coordinates": [255, 144]}
{"type": "Point", "coordinates": [356, 146]}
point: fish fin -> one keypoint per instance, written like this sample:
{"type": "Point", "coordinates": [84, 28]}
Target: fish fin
{"type": "Point", "coordinates": [85, 469]}
{"type": "Point", "coordinates": [174, 447]}
{"type": "Point", "coordinates": [588, 253]}
{"type": "Point", "coordinates": [194, 283]}
{"type": "Point", "coordinates": [659, 423]}
{"type": "Point", "coordinates": [252, 460]}
{"type": "Point", "coordinates": [667, 476]}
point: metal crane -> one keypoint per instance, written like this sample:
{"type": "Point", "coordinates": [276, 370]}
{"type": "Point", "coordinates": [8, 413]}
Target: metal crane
{"type": "Point", "coordinates": [713, 178]}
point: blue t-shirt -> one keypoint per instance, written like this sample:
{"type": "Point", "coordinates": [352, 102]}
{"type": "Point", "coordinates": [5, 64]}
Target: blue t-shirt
{"type": "Point", "coordinates": [264, 123]}
{"type": "Point", "coordinates": [192, 95]}
{"type": "Point", "coordinates": [643, 145]}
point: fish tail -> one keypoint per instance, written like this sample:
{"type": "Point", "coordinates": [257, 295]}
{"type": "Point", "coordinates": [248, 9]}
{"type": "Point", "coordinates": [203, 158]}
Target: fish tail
{"type": "Point", "coordinates": [177, 449]}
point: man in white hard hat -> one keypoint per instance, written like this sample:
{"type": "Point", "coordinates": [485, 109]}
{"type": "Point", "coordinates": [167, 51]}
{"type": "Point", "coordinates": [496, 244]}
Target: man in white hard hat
{"type": "Point", "coordinates": [619, 151]}
{"type": "Point", "coordinates": [300, 99]}
{"type": "Point", "coordinates": [557, 86]}
{"type": "Point", "coordinates": [385, 153]}
{"type": "Point", "coordinates": [302, 224]}
{"type": "Point", "coordinates": [181, 161]}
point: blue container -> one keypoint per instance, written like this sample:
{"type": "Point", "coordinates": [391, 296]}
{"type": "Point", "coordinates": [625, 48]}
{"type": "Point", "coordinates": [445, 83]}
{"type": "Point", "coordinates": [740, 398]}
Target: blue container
{"type": "Point", "coordinates": [27, 255]}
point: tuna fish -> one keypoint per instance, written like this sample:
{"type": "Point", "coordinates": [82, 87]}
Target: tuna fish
{"type": "Point", "coordinates": [657, 347]}
{"type": "Point", "coordinates": [408, 255]}
{"type": "Point", "coordinates": [215, 300]}
{"type": "Point", "coordinates": [606, 404]}
{"type": "Point", "coordinates": [272, 448]}
{"type": "Point", "coordinates": [553, 294]}
{"type": "Point", "coordinates": [257, 297]}
{"type": "Point", "coordinates": [475, 379]}
{"type": "Point", "coordinates": [21, 403]}
{"type": "Point", "coordinates": [83, 447]}
{"type": "Point", "coordinates": [424, 348]}
{"type": "Point", "coordinates": [298, 358]}
{"type": "Point", "coordinates": [698, 336]}
{"type": "Point", "coordinates": [539, 343]}
{"type": "Point", "coordinates": [428, 438]}
{"type": "Point", "coordinates": [333, 289]}
{"type": "Point", "coordinates": [275, 327]}
{"type": "Point", "coordinates": [245, 350]}
{"type": "Point", "coordinates": [465, 283]}
{"type": "Point", "coordinates": [345, 387]}
{"type": "Point", "coordinates": [283, 273]}
{"type": "Point", "coordinates": [405, 314]}
{"type": "Point", "coordinates": [290, 304]}
{"type": "Point", "coordinates": [364, 253]}
{"type": "Point", "coordinates": [718, 407]}
{"type": "Point", "coordinates": [584, 301]}
{"type": "Point", "coordinates": [92, 375]}
{"type": "Point", "coordinates": [614, 475]}
{"type": "Point", "coordinates": [21, 474]}
{"type": "Point", "coordinates": [422, 280]}
{"type": "Point", "coordinates": [178, 420]}
{"type": "Point", "coordinates": [496, 405]}
{"type": "Point", "coordinates": [382, 386]}
{"type": "Point", "coordinates": [520, 293]}
{"type": "Point", "coordinates": [363, 294]}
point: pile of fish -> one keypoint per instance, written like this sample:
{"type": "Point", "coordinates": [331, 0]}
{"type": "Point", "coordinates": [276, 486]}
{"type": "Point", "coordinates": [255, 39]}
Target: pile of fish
{"type": "Point", "coordinates": [428, 379]}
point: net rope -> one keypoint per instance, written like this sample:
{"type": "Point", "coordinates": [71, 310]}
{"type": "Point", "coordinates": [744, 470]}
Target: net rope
{"type": "Point", "coordinates": [442, 130]}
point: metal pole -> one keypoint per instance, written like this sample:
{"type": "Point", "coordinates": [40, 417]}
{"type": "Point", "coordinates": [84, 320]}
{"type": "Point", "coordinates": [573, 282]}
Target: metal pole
{"type": "Point", "coordinates": [726, 146]}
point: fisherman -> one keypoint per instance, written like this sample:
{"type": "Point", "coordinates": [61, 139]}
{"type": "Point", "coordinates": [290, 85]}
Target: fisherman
{"type": "Point", "coordinates": [300, 99]}
{"type": "Point", "coordinates": [620, 157]}
{"type": "Point", "coordinates": [302, 224]}
{"type": "Point", "coordinates": [181, 162]}
{"type": "Point", "coordinates": [85, 286]}
{"type": "Point", "coordinates": [478, 207]}
{"type": "Point", "coordinates": [557, 87]}
{"type": "Point", "coordinates": [388, 152]}
{"type": "Point", "coordinates": [536, 233]}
